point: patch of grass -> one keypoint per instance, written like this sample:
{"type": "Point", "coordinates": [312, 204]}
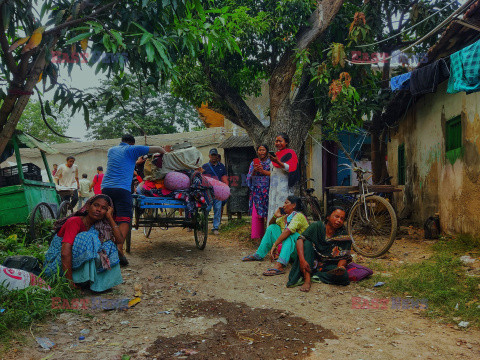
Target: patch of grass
{"type": "Point", "coordinates": [240, 231]}
{"type": "Point", "coordinates": [442, 280]}
{"type": "Point", "coordinates": [25, 306]}
{"type": "Point", "coordinates": [233, 225]}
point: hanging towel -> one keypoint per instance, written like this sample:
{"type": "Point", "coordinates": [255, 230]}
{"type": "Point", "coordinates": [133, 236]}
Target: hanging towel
{"type": "Point", "coordinates": [400, 82]}
{"type": "Point", "coordinates": [465, 70]}
{"type": "Point", "coordinates": [426, 79]}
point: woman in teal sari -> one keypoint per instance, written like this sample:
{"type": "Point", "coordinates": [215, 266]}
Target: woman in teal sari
{"type": "Point", "coordinates": [84, 247]}
{"type": "Point", "coordinates": [323, 252]}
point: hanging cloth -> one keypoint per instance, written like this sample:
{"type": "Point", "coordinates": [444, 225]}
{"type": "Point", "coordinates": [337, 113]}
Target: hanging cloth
{"type": "Point", "coordinates": [426, 79]}
{"type": "Point", "coordinates": [289, 157]}
{"type": "Point", "coordinates": [400, 82]}
{"type": "Point", "coordinates": [465, 70]}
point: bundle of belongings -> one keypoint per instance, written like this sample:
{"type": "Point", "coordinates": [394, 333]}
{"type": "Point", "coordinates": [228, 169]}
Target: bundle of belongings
{"type": "Point", "coordinates": [177, 174]}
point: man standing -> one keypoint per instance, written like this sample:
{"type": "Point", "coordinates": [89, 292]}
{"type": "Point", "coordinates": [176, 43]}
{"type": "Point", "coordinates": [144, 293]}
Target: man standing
{"type": "Point", "coordinates": [97, 181]}
{"type": "Point", "coordinates": [118, 180]}
{"type": "Point", "coordinates": [67, 177]}
{"type": "Point", "coordinates": [83, 191]}
{"type": "Point", "coordinates": [216, 170]}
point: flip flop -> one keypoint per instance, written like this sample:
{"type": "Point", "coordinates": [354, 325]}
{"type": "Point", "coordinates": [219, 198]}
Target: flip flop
{"type": "Point", "coordinates": [338, 271]}
{"type": "Point", "coordinates": [275, 272]}
{"type": "Point", "coordinates": [251, 258]}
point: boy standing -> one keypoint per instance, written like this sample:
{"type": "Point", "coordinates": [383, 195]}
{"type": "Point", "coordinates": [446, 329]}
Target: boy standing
{"type": "Point", "coordinates": [97, 181]}
{"type": "Point", "coordinates": [83, 191]}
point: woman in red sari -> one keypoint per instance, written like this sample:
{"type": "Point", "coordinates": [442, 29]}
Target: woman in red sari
{"type": "Point", "coordinates": [284, 175]}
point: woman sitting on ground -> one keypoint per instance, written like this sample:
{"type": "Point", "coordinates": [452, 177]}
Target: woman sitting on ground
{"type": "Point", "coordinates": [288, 226]}
{"type": "Point", "coordinates": [323, 252]}
{"type": "Point", "coordinates": [84, 246]}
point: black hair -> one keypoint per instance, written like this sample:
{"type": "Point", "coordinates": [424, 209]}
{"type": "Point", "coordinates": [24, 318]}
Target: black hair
{"type": "Point", "coordinates": [70, 157]}
{"type": "Point", "coordinates": [334, 208]}
{"type": "Point", "coordinates": [297, 201]}
{"type": "Point", "coordinates": [100, 168]}
{"type": "Point", "coordinates": [285, 137]}
{"type": "Point", "coordinates": [128, 138]}
{"type": "Point", "coordinates": [265, 146]}
{"type": "Point", "coordinates": [84, 176]}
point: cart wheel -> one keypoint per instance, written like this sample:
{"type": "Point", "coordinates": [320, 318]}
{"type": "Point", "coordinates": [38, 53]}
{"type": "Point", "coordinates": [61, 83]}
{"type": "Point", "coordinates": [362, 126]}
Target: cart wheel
{"type": "Point", "coordinates": [200, 230]}
{"type": "Point", "coordinates": [64, 210]}
{"type": "Point", "coordinates": [151, 216]}
{"type": "Point", "coordinates": [41, 221]}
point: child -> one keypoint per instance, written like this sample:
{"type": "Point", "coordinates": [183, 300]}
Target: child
{"type": "Point", "coordinates": [83, 191]}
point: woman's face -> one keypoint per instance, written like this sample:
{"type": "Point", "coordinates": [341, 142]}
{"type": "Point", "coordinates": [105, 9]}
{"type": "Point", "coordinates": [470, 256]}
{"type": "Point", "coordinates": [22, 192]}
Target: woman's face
{"type": "Point", "coordinates": [280, 143]}
{"type": "Point", "coordinates": [336, 218]}
{"type": "Point", "coordinates": [288, 207]}
{"type": "Point", "coordinates": [262, 152]}
{"type": "Point", "coordinates": [98, 209]}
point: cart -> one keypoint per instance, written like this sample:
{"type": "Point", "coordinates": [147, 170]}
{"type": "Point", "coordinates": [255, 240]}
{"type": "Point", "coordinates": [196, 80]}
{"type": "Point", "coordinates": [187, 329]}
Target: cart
{"type": "Point", "coordinates": [24, 197]}
{"type": "Point", "coordinates": [163, 212]}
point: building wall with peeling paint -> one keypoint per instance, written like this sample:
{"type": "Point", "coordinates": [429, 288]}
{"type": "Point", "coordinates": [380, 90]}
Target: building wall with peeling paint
{"type": "Point", "coordinates": [433, 183]}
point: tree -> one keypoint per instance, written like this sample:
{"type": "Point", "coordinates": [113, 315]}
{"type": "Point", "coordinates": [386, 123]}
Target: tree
{"type": "Point", "coordinates": [275, 38]}
{"type": "Point", "coordinates": [32, 123]}
{"type": "Point", "coordinates": [155, 111]}
{"type": "Point", "coordinates": [143, 36]}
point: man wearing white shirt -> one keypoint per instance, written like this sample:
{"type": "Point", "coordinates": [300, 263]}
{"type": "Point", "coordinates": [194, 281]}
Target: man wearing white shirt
{"type": "Point", "coordinates": [67, 177]}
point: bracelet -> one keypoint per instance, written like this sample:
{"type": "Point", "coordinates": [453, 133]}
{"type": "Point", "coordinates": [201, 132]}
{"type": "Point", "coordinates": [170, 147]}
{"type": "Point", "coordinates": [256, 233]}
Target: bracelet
{"type": "Point", "coordinates": [116, 226]}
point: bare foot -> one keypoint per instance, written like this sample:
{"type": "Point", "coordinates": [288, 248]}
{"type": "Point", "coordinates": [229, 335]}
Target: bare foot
{"type": "Point", "coordinates": [339, 271]}
{"type": "Point", "coordinates": [306, 287]}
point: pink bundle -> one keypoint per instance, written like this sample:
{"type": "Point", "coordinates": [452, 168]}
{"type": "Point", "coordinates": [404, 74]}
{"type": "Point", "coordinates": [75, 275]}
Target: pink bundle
{"type": "Point", "coordinates": [176, 181]}
{"type": "Point", "coordinates": [221, 191]}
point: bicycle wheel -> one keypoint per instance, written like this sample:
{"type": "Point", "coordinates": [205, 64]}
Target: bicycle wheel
{"type": "Point", "coordinates": [64, 210]}
{"type": "Point", "coordinates": [200, 230]}
{"type": "Point", "coordinates": [312, 208]}
{"type": "Point", "coordinates": [41, 221]}
{"type": "Point", "coordinates": [373, 231]}
{"type": "Point", "coordinates": [151, 216]}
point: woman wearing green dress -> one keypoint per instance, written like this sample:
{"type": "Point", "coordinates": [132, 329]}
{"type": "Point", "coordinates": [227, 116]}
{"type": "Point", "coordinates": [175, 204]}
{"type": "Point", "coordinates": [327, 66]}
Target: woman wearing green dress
{"type": "Point", "coordinates": [289, 224]}
{"type": "Point", "coordinates": [323, 252]}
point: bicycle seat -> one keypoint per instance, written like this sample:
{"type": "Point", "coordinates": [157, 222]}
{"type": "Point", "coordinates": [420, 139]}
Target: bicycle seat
{"type": "Point", "coordinates": [310, 191]}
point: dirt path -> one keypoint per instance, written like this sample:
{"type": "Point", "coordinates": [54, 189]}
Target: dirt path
{"type": "Point", "coordinates": [208, 304]}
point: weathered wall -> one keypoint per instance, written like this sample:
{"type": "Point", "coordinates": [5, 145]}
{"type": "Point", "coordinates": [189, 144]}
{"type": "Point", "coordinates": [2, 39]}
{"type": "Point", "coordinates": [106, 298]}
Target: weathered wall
{"type": "Point", "coordinates": [433, 184]}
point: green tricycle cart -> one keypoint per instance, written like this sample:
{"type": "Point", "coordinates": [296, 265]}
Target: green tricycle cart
{"type": "Point", "coordinates": [24, 197]}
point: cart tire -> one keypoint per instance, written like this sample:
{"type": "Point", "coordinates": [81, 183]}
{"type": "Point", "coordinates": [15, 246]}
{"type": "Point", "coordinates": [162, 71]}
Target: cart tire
{"type": "Point", "coordinates": [41, 213]}
{"type": "Point", "coordinates": [64, 210]}
{"type": "Point", "coordinates": [200, 230]}
{"type": "Point", "coordinates": [152, 215]}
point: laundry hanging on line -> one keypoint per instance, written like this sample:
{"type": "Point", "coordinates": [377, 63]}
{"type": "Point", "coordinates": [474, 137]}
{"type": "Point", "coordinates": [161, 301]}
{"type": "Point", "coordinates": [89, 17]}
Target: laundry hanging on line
{"type": "Point", "coordinates": [465, 70]}
{"type": "Point", "coordinates": [426, 79]}
{"type": "Point", "coordinates": [400, 82]}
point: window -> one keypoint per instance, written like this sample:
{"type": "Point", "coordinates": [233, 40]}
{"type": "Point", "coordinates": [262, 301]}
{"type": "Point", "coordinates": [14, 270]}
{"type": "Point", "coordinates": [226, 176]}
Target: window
{"type": "Point", "coordinates": [401, 164]}
{"type": "Point", "coordinates": [453, 139]}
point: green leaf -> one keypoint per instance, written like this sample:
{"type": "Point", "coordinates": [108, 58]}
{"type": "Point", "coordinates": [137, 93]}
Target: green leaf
{"type": "Point", "coordinates": [125, 93]}
{"type": "Point", "coordinates": [145, 38]}
{"type": "Point", "coordinates": [86, 115]}
{"type": "Point", "coordinates": [106, 42]}
{"type": "Point", "coordinates": [150, 52]}
{"type": "Point", "coordinates": [48, 110]}
{"type": "Point", "coordinates": [161, 50]}
{"type": "Point", "coordinates": [140, 27]}
{"type": "Point", "coordinates": [78, 38]}
{"type": "Point", "coordinates": [110, 104]}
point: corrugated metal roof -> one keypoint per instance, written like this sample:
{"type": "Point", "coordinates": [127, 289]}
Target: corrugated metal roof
{"type": "Point", "coordinates": [236, 141]}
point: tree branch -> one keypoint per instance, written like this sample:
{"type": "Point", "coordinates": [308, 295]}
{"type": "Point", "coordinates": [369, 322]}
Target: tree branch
{"type": "Point", "coordinates": [281, 79]}
{"type": "Point", "coordinates": [7, 56]}
{"type": "Point", "coordinates": [79, 21]}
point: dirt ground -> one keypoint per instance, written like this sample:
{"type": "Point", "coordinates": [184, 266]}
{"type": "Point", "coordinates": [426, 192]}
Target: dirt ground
{"type": "Point", "coordinates": [210, 305]}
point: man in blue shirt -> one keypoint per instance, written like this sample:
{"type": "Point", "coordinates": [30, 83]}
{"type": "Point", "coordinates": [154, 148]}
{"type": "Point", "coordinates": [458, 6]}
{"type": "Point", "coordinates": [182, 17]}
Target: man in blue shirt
{"type": "Point", "coordinates": [118, 180]}
{"type": "Point", "coordinates": [216, 170]}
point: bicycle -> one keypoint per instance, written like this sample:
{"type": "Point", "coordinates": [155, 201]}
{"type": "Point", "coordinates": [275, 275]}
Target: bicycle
{"type": "Point", "coordinates": [310, 202]}
{"type": "Point", "coordinates": [371, 222]}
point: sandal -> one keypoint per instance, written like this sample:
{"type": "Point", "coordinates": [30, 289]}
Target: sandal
{"type": "Point", "coordinates": [253, 257]}
{"type": "Point", "coordinates": [123, 260]}
{"type": "Point", "coordinates": [273, 271]}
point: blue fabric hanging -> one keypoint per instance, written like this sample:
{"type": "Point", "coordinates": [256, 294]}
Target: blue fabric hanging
{"type": "Point", "coordinates": [400, 82]}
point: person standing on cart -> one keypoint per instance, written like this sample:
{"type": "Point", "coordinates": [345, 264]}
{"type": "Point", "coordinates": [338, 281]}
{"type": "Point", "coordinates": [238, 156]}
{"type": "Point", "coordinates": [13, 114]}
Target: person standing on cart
{"type": "Point", "coordinates": [66, 176]}
{"type": "Point", "coordinates": [216, 170]}
{"type": "Point", "coordinates": [117, 182]}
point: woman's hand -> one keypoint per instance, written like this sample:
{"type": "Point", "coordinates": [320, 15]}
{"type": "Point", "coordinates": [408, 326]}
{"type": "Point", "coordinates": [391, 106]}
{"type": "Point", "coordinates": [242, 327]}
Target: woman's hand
{"type": "Point", "coordinates": [259, 169]}
{"type": "Point", "coordinates": [304, 267]}
{"type": "Point", "coordinates": [271, 254]}
{"type": "Point", "coordinates": [109, 213]}
{"type": "Point", "coordinates": [274, 159]}
{"type": "Point", "coordinates": [278, 213]}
